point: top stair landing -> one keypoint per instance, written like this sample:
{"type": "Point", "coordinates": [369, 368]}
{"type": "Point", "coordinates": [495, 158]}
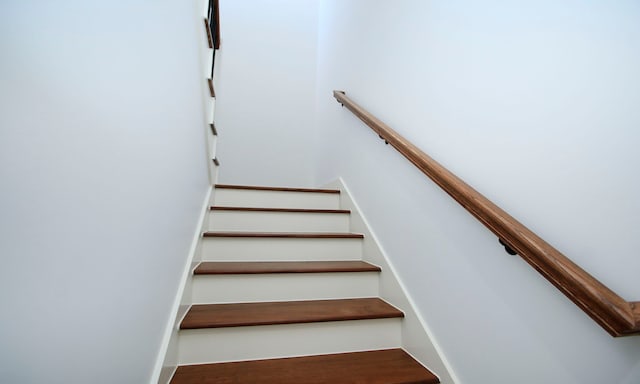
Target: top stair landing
{"type": "Point", "coordinates": [275, 197]}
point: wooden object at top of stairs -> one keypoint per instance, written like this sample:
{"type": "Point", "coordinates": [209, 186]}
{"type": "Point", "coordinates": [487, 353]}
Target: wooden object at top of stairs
{"type": "Point", "coordinates": [281, 210]}
{"type": "Point", "coordinates": [280, 189]}
{"type": "Point", "coordinates": [281, 235]}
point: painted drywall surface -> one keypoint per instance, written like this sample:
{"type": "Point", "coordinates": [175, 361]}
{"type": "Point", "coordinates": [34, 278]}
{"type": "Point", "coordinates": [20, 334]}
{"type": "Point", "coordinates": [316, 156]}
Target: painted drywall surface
{"type": "Point", "coordinates": [103, 169]}
{"type": "Point", "coordinates": [265, 91]}
{"type": "Point", "coordinates": [535, 105]}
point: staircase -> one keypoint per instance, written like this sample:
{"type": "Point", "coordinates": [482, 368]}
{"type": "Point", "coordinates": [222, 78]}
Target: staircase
{"type": "Point", "coordinates": [282, 295]}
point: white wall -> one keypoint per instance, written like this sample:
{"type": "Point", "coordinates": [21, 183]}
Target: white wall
{"type": "Point", "coordinates": [265, 91]}
{"type": "Point", "coordinates": [535, 104]}
{"type": "Point", "coordinates": [103, 171]}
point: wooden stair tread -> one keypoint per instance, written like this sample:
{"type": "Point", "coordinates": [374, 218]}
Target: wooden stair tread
{"type": "Point", "coordinates": [257, 267]}
{"type": "Point", "coordinates": [288, 210]}
{"type": "Point", "coordinates": [286, 312]}
{"type": "Point", "coordinates": [279, 189]}
{"type": "Point", "coordinates": [392, 366]}
{"type": "Point", "coordinates": [299, 235]}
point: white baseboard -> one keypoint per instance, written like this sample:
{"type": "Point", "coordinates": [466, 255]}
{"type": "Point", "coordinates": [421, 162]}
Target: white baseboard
{"type": "Point", "coordinates": [167, 359]}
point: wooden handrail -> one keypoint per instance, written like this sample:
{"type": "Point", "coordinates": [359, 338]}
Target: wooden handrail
{"type": "Point", "coordinates": [216, 11]}
{"type": "Point", "coordinates": [212, 27]}
{"type": "Point", "coordinates": [207, 27]}
{"type": "Point", "coordinates": [616, 315]}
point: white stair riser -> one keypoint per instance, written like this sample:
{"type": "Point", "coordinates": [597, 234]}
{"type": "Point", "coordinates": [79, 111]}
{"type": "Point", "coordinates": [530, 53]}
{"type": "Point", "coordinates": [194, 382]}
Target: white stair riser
{"type": "Point", "coordinates": [220, 220]}
{"type": "Point", "coordinates": [275, 199]}
{"type": "Point", "coordinates": [280, 249]}
{"type": "Point", "coordinates": [273, 341]}
{"type": "Point", "coordinates": [283, 287]}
